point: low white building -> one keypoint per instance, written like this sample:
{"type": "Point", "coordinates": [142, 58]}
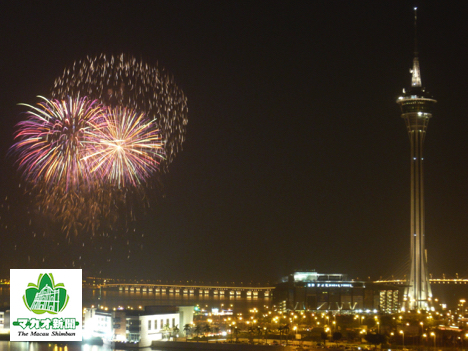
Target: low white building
{"type": "Point", "coordinates": [4, 321]}
{"type": "Point", "coordinates": [137, 326]}
{"type": "Point", "coordinates": [98, 323]}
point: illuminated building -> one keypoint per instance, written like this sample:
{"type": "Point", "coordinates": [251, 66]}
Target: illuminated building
{"type": "Point", "coordinates": [416, 107]}
{"type": "Point", "coordinates": [136, 326]}
{"type": "Point", "coordinates": [4, 321]}
{"type": "Point", "coordinates": [312, 291]}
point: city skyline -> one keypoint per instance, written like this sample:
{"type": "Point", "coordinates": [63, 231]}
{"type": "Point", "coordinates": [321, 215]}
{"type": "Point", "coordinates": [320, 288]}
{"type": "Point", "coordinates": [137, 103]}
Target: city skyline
{"type": "Point", "coordinates": [294, 156]}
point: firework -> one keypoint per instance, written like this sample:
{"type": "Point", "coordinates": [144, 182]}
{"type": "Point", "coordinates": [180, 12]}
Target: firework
{"type": "Point", "coordinates": [50, 152]}
{"type": "Point", "coordinates": [52, 142]}
{"type": "Point", "coordinates": [90, 154]}
{"type": "Point", "coordinates": [83, 160]}
{"type": "Point", "coordinates": [125, 81]}
{"type": "Point", "coordinates": [128, 148]}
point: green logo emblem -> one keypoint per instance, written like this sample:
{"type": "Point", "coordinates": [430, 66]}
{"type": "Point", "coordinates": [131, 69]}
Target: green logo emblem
{"type": "Point", "coordinates": [46, 296]}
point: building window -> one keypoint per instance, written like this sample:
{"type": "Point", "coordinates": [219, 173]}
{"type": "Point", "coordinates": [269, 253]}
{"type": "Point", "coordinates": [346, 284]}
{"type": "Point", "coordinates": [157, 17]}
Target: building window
{"type": "Point", "coordinates": [162, 323]}
{"type": "Point", "coordinates": [155, 324]}
{"type": "Point", "coordinates": [173, 322]}
{"type": "Point", "coordinates": [167, 322]}
{"type": "Point", "coordinates": [149, 325]}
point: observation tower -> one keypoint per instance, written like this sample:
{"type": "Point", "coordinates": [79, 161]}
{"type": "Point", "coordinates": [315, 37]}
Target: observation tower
{"type": "Point", "coordinates": [416, 107]}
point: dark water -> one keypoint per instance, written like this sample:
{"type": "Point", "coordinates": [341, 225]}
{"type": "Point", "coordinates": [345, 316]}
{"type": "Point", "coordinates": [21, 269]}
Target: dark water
{"type": "Point", "coordinates": [449, 294]}
{"type": "Point", "coordinates": [114, 298]}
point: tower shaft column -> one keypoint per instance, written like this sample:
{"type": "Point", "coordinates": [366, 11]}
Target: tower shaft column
{"type": "Point", "coordinates": [419, 291]}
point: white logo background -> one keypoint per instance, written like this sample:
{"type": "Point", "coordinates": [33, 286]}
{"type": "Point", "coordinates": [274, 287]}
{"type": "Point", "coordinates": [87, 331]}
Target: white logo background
{"type": "Point", "coordinates": [19, 280]}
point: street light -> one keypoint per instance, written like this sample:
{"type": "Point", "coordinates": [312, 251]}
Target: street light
{"type": "Point", "coordinates": [402, 333]}
{"type": "Point", "coordinates": [435, 336]}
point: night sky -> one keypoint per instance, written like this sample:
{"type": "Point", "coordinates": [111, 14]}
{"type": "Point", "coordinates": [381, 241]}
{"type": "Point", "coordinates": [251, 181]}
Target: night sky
{"type": "Point", "coordinates": [295, 157]}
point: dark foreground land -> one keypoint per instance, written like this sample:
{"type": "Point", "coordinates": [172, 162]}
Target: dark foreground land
{"type": "Point", "coordinates": [216, 346]}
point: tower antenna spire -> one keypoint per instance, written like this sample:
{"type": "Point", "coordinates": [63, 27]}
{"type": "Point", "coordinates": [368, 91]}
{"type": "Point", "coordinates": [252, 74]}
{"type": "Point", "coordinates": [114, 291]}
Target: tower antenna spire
{"type": "Point", "coordinates": [415, 31]}
{"type": "Point", "coordinates": [415, 72]}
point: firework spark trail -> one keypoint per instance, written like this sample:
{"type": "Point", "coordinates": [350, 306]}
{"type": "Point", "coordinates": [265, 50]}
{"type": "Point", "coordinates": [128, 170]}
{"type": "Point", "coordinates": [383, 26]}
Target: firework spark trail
{"type": "Point", "coordinates": [125, 81]}
{"type": "Point", "coordinates": [128, 148]}
{"type": "Point", "coordinates": [52, 141]}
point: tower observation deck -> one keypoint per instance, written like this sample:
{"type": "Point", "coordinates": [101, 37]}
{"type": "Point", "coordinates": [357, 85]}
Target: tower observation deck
{"type": "Point", "coordinates": [416, 107]}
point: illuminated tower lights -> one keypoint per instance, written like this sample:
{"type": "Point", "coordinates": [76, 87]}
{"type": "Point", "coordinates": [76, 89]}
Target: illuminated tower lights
{"type": "Point", "coordinates": [416, 107]}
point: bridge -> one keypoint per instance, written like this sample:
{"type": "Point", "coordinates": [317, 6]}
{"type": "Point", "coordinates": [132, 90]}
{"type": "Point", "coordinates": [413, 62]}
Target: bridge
{"type": "Point", "coordinates": [431, 280]}
{"type": "Point", "coordinates": [193, 289]}
{"type": "Point", "coordinates": [216, 290]}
